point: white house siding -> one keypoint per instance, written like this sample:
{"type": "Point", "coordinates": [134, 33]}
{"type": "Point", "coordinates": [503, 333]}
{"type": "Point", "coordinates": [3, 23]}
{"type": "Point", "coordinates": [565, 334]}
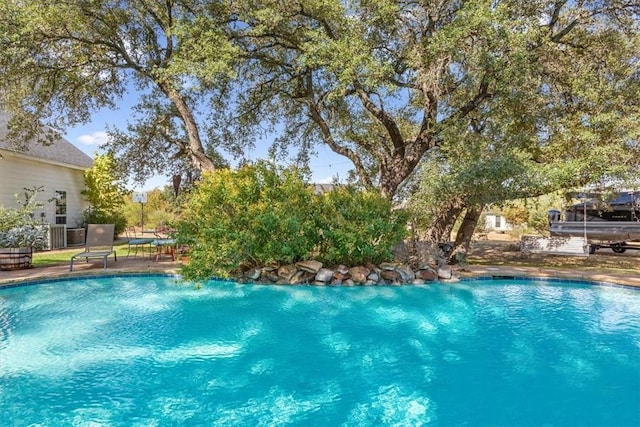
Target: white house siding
{"type": "Point", "coordinates": [494, 222]}
{"type": "Point", "coordinates": [18, 172]}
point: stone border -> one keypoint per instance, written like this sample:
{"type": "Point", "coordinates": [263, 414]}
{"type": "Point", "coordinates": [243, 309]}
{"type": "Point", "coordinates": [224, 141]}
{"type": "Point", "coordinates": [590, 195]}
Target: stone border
{"type": "Point", "coordinates": [144, 267]}
{"type": "Point", "coordinates": [313, 272]}
{"type": "Point", "coordinates": [500, 277]}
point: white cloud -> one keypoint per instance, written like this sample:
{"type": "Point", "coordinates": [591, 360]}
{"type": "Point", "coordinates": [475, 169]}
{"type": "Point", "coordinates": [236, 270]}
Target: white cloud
{"type": "Point", "coordinates": [95, 138]}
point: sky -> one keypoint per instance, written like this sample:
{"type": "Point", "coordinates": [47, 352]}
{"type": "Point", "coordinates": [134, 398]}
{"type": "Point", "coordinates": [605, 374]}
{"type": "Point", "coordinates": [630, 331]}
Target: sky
{"type": "Point", "coordinates": [89, 137]}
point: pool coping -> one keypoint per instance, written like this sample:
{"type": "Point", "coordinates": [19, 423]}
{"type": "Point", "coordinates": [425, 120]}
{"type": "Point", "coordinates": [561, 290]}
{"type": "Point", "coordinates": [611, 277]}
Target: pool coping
{"type": "Point", "coordinates": [90, 269]}
{"type": "Point", "coordinates": [468, 274]}
{"type": "Point", "coordinates": [623, 278]}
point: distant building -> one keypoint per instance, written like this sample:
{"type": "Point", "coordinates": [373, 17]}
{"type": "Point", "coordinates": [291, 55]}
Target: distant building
{"type": "Point", "coordinates": [319, 189]}
{"type": "Point", "coordinates": [58, 168]}
{"type": "Point", "coordinates": [497, 222]}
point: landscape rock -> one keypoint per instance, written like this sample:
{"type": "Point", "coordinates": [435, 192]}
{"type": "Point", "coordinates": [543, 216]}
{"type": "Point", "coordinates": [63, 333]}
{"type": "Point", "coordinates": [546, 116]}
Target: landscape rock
{"type": "Point", "coordinates": [406, 273]}
{"type": "Point", "coordinates": [301, 277]}
{"type": "Point", "coordinates": [342, 269]}
{"type": "Point", "coordinates": [312, 266]}
{"type": "Point", "coordinates": [269, 273]}
{"type": "Point", "coordinates": [271, 276]}
{"type": "Point", "coordinates": [359, 274]}
{"type": "Point", "coordinates": [387, 266]}
{"type": "Point", "coordinates": [340, 276]}
{"type": "Point", "coordinates": [373, 268]}
{"type": "Point", "coordinates": [253, 274]}
{"type": "Point", "coordinates": [444, 272]}
{"type": "Point", "coordinates": [324, 275]}
{"type": "Point", "coordinates": [391, 276]}
{"type": "Point", "coordinates": [427, 274]}
{"type": "Point", "coordinates": [287, 271]}
{"type": "Point", "coordinates": [313, 272]}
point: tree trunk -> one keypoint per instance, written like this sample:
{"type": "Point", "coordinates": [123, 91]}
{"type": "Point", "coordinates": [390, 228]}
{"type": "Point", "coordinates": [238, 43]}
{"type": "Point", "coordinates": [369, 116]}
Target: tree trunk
{"type": "Point", "coordinates": [195, 149]}
{"type": "Point", "coordinates": [394, 172]}
{"type": "Point", "coordinates": [465, 233]}
{"type": "Point", "coordinates": [442, 224]}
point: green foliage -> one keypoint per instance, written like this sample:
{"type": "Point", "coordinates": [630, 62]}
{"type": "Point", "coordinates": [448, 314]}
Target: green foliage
{"type": "Point", "coordinates": [516, 214]}
{"type": "Point", "coordinates": [538, 211]}
{"type": "Point", "coordinates": [105, 192]}
{"type": "Point", "coordinates": [482, 226]}
{"type": "Point", "coordinates": [542, 92]}
{"type": "Point", "coordinates": [70, 59]}
{"type": "Point", "coordinates": [264, 215]}
{"type": "Point", "coordinates": [18, 226]}
{"type": "Point", "coordinates": [98, 217]}
{"type": "Point", "coordinates": [358, 226]}
{"type": "Point", "coordinates": [255, 215]}
{"type": "Point", "coordinates": [532, 215]}
{"type": "Point", "coordinates": [162, 207]}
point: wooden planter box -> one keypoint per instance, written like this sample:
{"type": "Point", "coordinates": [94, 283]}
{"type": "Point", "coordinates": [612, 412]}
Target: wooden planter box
{"type": "Point", "coordinates": [15, 258]}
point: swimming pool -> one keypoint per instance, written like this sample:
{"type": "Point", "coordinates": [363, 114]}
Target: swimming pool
{"type": "Point", "coordinates": [154, 351]}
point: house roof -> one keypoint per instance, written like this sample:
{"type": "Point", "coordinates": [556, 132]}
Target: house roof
{"type": "Point", "coordinates": [59, 151]}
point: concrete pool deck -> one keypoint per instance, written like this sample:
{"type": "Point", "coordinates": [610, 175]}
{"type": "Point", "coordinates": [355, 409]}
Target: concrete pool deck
{"type": "Point", "coordinates": [627, 278]}
{"type": "Point", "coordinates": [91, 268]}
{"type": "Point", "coordinates": [166, 265]}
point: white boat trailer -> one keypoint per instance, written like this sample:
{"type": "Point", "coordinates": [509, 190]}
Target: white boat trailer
{"type": "Point", "coordinates": [600, 234]}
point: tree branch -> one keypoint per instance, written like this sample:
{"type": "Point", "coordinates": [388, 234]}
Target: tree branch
{"type": "Point", "coordinates": [327, 137]}
{"type": "Point", "coordinates": [384, 118]}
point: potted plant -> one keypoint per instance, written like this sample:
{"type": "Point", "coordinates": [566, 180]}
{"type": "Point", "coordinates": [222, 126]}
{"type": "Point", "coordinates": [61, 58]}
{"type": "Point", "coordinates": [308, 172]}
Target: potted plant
{"type": "Point", "coordinates": [20, 232]}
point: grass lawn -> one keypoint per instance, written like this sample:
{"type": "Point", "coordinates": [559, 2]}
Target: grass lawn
{"type": "Point", "coordinates": [63, 256]}
{"type": "Point", "coordinates": [503, 253]}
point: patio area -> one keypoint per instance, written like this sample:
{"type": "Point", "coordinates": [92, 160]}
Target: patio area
{"type": "Point", "coordinates": [138, 264]}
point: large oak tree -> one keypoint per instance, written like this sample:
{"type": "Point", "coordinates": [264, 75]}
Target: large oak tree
{"type": "Point", "coordinates": [62, 60]}
{"type": "Point", "coordinates": [383, 83]}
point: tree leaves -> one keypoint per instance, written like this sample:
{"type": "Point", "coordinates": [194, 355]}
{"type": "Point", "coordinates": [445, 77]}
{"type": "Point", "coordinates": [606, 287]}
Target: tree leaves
{"type": "Point", "coordinates": [381, 82]}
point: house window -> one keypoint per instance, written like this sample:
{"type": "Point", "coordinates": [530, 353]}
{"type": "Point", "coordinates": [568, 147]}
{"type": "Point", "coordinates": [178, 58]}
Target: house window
{"type": "Point", "coordinates": [61, 207]}
{"type": "Point", "coordinates": [498, 221]}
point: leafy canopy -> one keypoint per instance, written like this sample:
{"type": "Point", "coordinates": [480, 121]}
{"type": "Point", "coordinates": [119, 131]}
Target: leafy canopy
{"type": "Point", "coordinates": [384, 83]}
{"type": "Point", "coordinates": [63, 60]}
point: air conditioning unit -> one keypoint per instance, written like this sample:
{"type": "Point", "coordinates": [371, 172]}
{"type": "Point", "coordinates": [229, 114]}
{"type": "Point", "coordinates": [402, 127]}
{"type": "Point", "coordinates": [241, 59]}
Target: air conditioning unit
{"type": "Point", "coordinates": [57, 236]}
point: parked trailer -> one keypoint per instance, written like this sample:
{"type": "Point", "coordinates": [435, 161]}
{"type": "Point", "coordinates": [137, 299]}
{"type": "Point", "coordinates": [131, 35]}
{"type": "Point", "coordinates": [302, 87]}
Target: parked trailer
{"type": "Point", "coordinates": [615, 235]}
{"type": "Point", "coordinates": [603, 224]}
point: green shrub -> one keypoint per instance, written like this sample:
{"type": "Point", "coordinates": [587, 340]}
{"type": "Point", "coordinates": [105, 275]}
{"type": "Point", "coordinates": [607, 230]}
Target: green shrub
{"type": "Point", "coordinates": [19, 227]}
{"type": "Point", "coordinates": [358, 227]}
{"type": "Point", "coordinates": [118, 219]}
{"type": "Point", "coordinates": [162, 208]}
{"type": "Point", "coordinates": [264, 215]}
{"type": "Point", "coordinates": [256, 215]}
{"type": "Point", "coordinates": [105, 192]}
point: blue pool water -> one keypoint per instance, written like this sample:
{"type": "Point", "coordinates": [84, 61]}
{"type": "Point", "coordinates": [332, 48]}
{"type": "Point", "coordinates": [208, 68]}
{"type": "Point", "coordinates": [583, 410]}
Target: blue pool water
{"type": "Point", "coordinates": [153, 351]}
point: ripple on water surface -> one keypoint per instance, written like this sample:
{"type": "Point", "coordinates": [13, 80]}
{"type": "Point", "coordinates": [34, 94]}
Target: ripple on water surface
{"type": "Point", "coordinates": [153, 351]}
